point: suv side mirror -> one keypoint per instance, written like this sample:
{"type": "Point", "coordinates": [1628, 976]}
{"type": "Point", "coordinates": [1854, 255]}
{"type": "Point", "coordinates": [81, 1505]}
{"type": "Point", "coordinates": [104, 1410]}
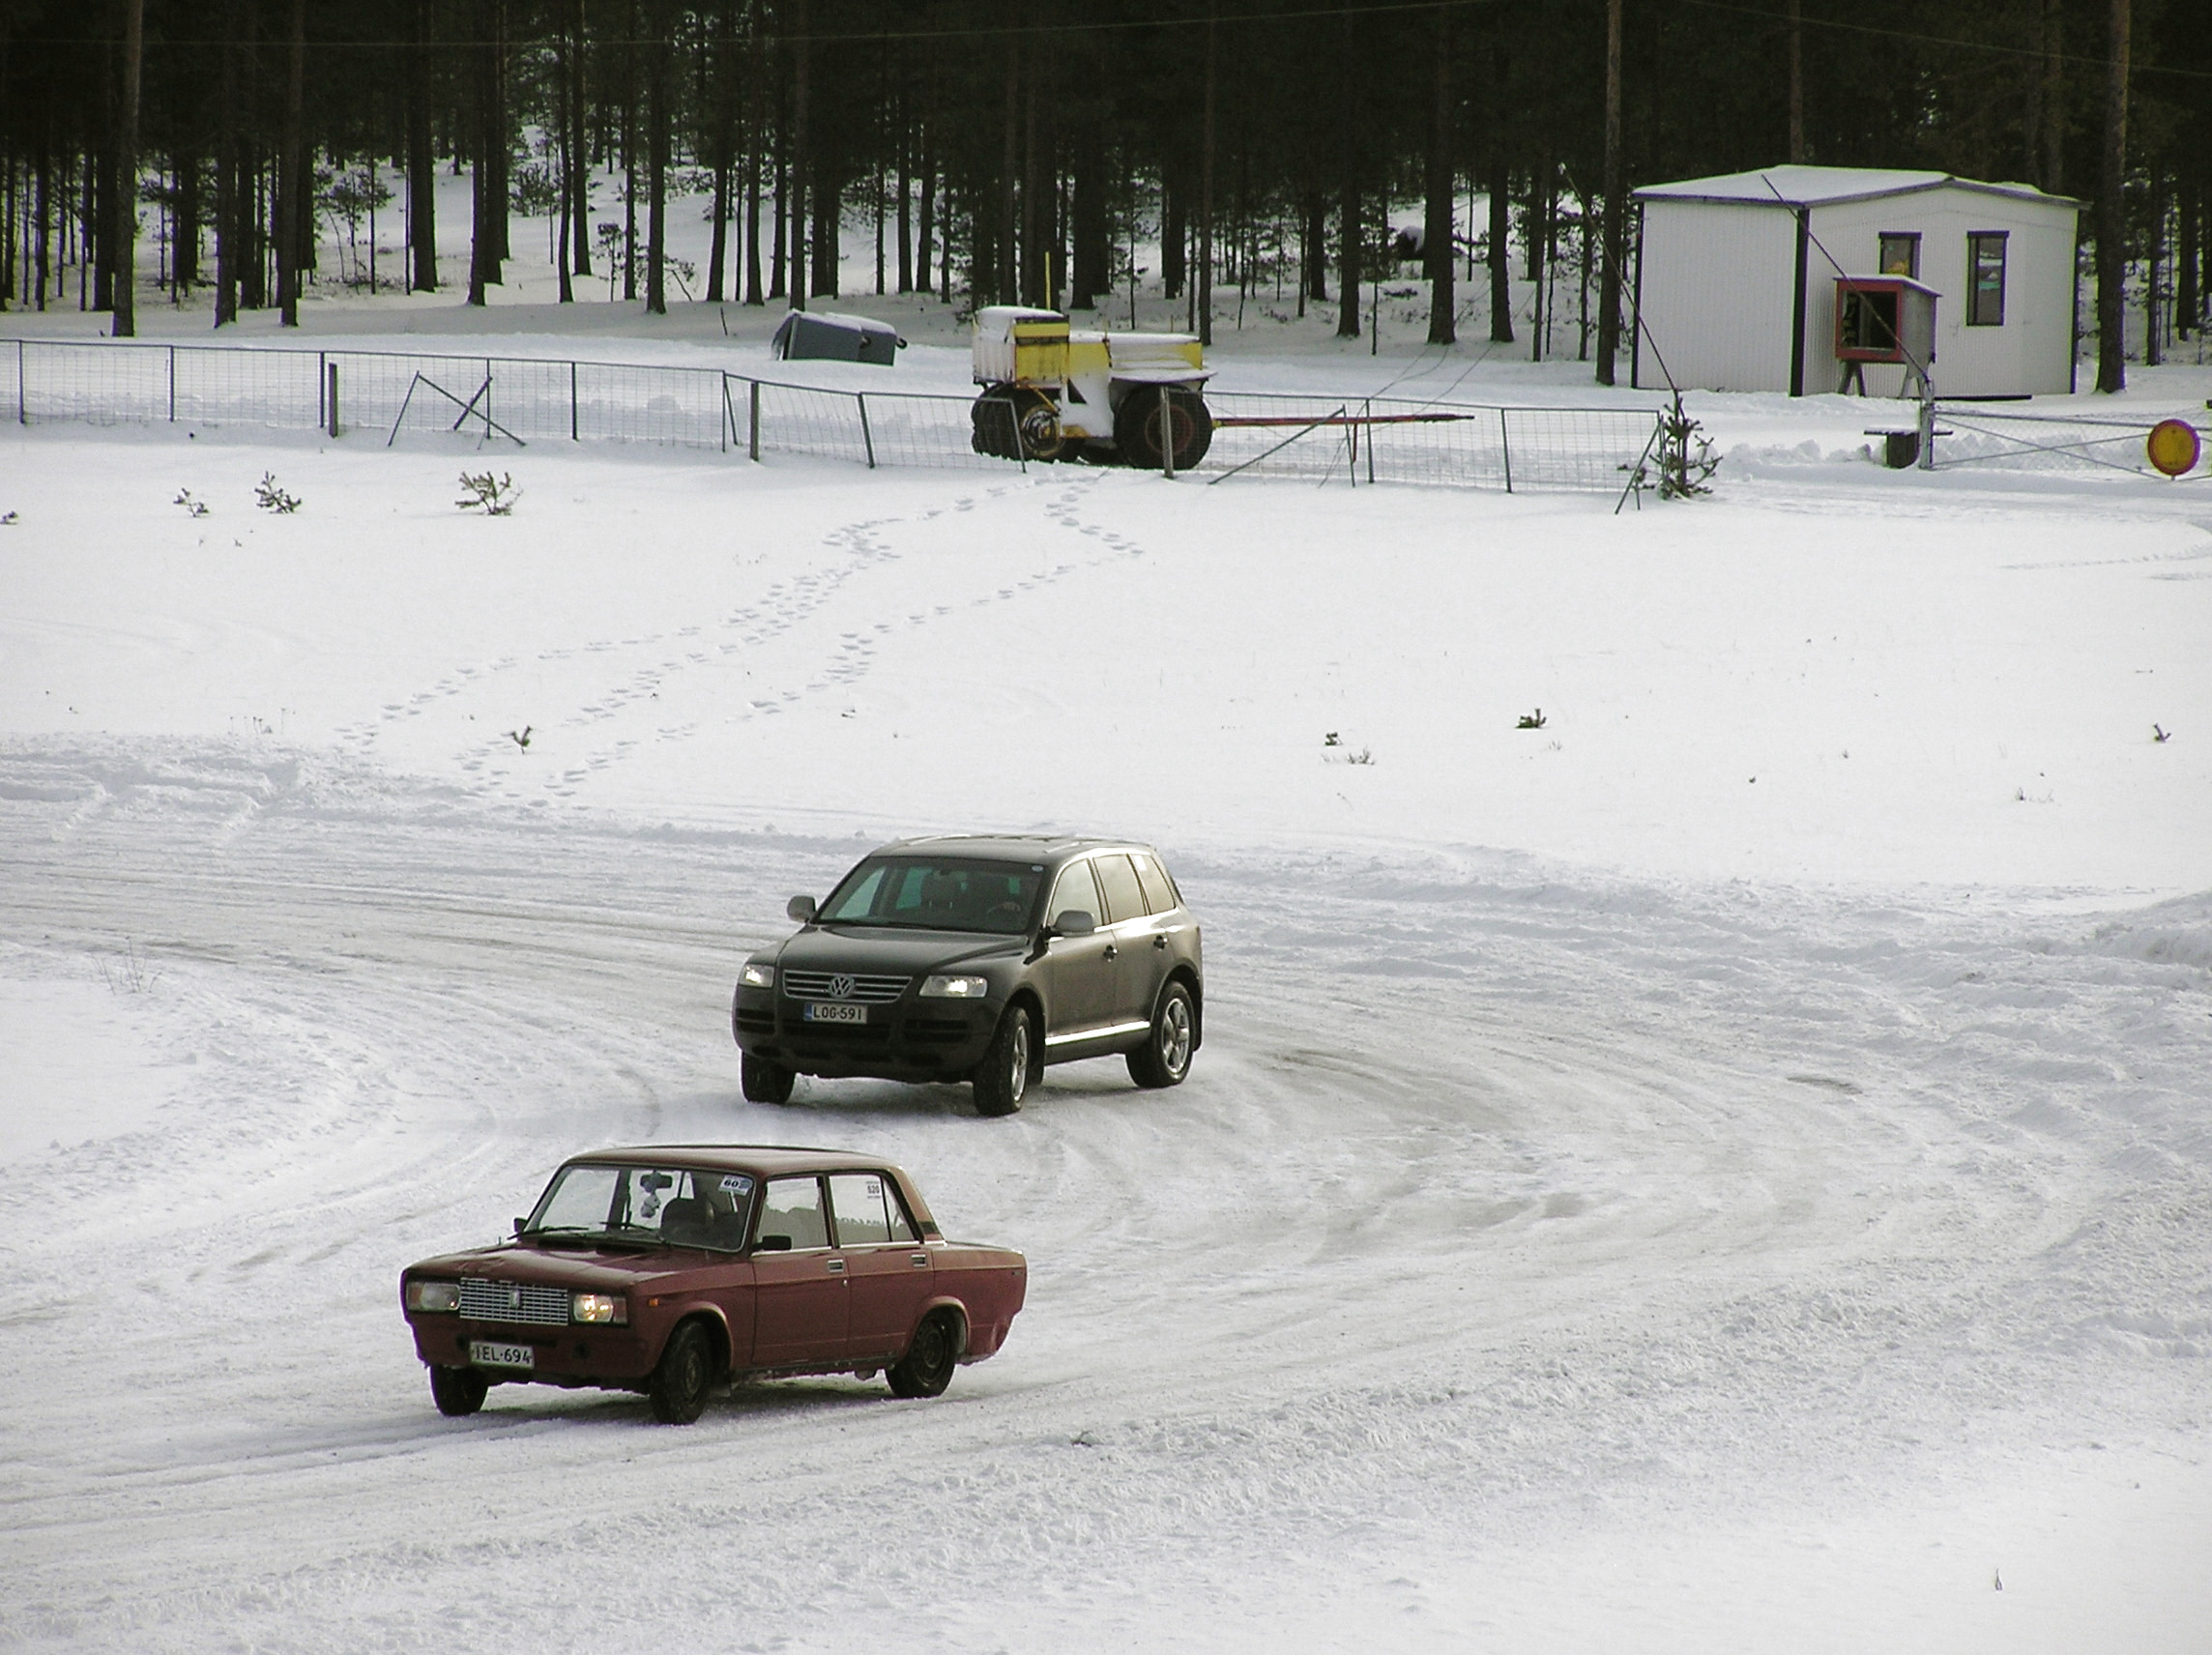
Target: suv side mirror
{"type": "Point", "coordinates": [800, 908]}
{"type": "Point", "coordinates": [1075, 922]}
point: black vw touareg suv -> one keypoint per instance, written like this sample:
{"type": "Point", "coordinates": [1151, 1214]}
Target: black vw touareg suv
{"type": "Point", "coordinates": [979, 959]}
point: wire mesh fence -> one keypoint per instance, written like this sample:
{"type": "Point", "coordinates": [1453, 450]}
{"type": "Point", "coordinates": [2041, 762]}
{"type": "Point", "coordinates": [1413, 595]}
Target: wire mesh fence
{"type": "Point", "coordinates": [1391, 440]}
{"type": "Point", "coordinates": [1975, 434]}
{"type": "Point", "coordinates": [526, 400]}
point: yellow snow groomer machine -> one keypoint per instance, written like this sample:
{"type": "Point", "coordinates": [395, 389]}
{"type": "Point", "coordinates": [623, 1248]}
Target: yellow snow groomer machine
{"type": "Point", "coordinates": [1052, 392]}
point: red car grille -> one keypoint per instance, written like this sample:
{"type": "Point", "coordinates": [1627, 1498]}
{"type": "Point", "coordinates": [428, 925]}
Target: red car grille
{"type": "Point", "coordinates": [513, 1301]}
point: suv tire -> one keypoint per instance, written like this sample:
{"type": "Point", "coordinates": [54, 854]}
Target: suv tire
{"type": "Point", "coordinates": [1003, 1077]}
{"type": "Point", "coordinates": [764, 1082]}
{"type": "Point", "coordinates": [1164, 1059]}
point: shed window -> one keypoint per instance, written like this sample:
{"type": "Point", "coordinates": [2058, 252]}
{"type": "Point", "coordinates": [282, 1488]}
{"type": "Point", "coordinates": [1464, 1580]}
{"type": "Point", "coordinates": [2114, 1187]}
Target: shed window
{"type": "Point", "coordinates": [1985, 278]}
{"type": "Point", "coordinates": [1901, 253]}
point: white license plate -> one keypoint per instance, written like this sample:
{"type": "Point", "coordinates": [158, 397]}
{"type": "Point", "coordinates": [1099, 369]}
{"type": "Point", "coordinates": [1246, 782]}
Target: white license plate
{"type": "Point", "coordinates": [484, 1353]}
{"type": "Point", "coordinates": [836, 1013]}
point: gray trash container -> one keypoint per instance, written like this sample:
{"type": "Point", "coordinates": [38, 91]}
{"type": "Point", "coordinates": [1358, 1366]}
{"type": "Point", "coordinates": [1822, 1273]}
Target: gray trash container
{"type": "Point", "coordinates": [823, 335]}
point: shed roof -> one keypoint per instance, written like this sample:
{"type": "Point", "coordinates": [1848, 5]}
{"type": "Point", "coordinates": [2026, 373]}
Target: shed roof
{"type": "Point", "coordinates": [1824, 185]}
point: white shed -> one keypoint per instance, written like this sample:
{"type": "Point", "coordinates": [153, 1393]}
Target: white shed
{"type": "Point", "coordinates": [1736, 278]}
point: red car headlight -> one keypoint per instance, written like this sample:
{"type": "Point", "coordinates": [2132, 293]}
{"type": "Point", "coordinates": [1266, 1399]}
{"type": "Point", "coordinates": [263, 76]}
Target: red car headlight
{"type": "Point", "coordinates": [434, 1297]}
{"type": "Point", "coordinates": [602, 1308]}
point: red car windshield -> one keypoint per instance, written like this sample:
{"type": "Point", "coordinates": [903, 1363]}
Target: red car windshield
{"type": "Point", "coordinates": [656, 1205]}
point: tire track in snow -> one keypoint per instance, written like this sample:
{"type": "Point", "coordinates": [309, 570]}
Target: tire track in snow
{"type": "Point", "coordinates": [1491, 1196]}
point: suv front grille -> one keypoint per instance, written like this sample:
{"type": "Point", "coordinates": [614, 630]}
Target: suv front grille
{"type": "Point", "coordinates": [866, 989]}
{"type": "Point", "coordinates": [513, 1301]}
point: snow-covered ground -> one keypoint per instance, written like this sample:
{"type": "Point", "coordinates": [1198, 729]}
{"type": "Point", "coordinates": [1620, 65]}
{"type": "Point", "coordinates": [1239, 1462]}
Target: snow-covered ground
{"type": "Point", "coordinates": [1726, 1170]}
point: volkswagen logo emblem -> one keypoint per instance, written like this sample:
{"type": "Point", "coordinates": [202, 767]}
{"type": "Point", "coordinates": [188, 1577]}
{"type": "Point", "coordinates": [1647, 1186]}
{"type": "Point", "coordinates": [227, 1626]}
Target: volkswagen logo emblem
{"type": "Point", "coordinates": [842, 987]}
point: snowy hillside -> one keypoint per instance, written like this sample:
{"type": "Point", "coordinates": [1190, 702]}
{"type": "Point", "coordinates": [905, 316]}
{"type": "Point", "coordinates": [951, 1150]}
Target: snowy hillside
{"type": "Point", "coordinates": [1725, 1169]}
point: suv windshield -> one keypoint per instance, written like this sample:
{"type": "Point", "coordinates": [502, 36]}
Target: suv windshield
{"type": "Point", "coordinates": [665, 1205]}
{"type": "Point", "coordinates": [935, 894]}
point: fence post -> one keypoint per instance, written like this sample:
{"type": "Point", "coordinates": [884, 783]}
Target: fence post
{"type": "Point", "coordinates": [752, 441]}
{"type": "Point", "coordinates": [726, 417]}
{"type": "Point", "coordinates": [22, 418]}
{"type": "Point", "coordinates": [867, 437]}
{"type": "Point", "coordinates": [322, 405]}
{"type": "Point", "coordinates": [1368, 408]}
{"type": "Point", "coordinates": [572, 437]}
{"type": "Point", "coordinates": [1506, 449]}
{"type": "Point", "coordinates": [487, 400]}
{"type": "Point", "coordinates": [172, 385]}
{"type": "Point", "coordinates": [1167, 433]}
{"type": "Point", "coordinates": [331, 403]}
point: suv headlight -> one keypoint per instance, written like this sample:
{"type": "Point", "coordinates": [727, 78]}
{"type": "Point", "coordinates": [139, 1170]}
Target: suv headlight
{"type": "Point", "coordinates": [757, 975]}
{"type": "Point", "coordinates": [601, 1307]}
{"type": "Point", "coordinates": [955, 988]}
{"type": "Point", "coordinates": [434, 1297]}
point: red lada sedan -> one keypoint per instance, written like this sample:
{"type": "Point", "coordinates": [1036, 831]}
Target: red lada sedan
{"type": "Point", "coordinates": [665, 1268]}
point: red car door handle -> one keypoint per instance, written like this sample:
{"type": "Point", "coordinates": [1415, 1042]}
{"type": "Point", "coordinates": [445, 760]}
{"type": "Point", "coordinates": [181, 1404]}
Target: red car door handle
{"type": "Point", "coordinates": [920, 1261]}
{"type": "Point", "coordinates": [836, 1266]}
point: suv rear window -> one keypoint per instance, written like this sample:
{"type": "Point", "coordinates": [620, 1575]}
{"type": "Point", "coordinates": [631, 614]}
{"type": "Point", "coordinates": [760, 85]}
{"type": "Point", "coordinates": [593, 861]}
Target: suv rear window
{"type": "Point", "coordinates": [1117, 882]}
{"type": "Point", "coordinates": [1159, 891]}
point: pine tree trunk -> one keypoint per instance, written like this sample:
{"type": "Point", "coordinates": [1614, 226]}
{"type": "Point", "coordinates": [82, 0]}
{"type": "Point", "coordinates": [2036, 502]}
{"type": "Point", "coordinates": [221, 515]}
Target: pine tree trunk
{"type": "Point", "coordinates": [1349, 274]}
{"type": "Point", "coordinates": [925, 215]}
{"type": "Point", "coordinates": [481, 182]}
{"type": "Point", "coordinates": [226, 172]}
{"type": "Point", "coordinates": [725, 148]}
{"type": "Point", "coordinates": [2111, 212]}
{"type": "Point", "coordinates": [756, 134]}
{"type": "Point", "coordinates": [497, 147]}
{"type": "Point", "coordinates": [628, 52]}
{"type": "Point", "coordinates": [1036, 187]}
{"type": "Point", "coordinates": [2055, 96]}
{"type": "Point", "coordinates": [1206, 149]}
{"type": "Point", "coordinates": [1313, 248]}
{"type": "Point", "coordinates": [1006, 278]}
{"type": "Point", "coordinates": [656, 167]}
{"type": "Point", "coordinates": [2156, 264]}
{"type": "Point", "coordinates": [1615, 201]}
{"type": "Point", "coordinates": [580, 154]}
{"type": "Point", "coordinates": [799, 174]}
{"type": "Point", "coordinates": [1173, 233]}
{"type": "Point", "coordinates": [421, 163]}
{"type": "Point", "coordinates": [1796, 40]}
{"type": "Point", "coordinates": [124, 319]}
{"type": "Point", "coordinates": [2186, 294]}
{"type": "Point", "coordinates": [191, 212]}
{"type": "Point", "coordinates": [1438, 220]}
{"type": "Point", "coordinates": [1500, 206]}
{"type": "Point", "coordinates": [905, 198]}
{"type": "Point", "coordinates": [780, 244]}
{"type": "Point", "coordinates": [291, 193]}
{"type": "Point", "coordinates": [826, 198]}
